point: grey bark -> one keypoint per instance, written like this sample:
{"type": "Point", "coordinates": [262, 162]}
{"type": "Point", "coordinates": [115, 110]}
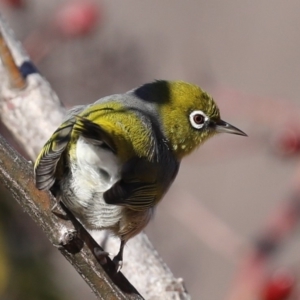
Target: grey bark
{"type": "Point", "coordinates": [31, 111]}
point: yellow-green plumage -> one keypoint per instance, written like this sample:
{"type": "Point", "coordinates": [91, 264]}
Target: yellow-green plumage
{"type": "Point", "coordinates": [130, 136]}
{"type": "Point", "coordinates": [111, 162]}
{"type": "Point", "coordinates": [183, 99]}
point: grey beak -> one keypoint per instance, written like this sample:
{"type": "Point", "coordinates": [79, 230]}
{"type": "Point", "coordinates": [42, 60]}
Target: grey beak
{"type": "Point", "coordinates": [222, 126]}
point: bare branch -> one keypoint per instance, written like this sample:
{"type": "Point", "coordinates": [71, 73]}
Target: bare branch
{"type": "Point", "coordinates": [31, 114]}
{"type": "Point", "coordinates": [17, 175]}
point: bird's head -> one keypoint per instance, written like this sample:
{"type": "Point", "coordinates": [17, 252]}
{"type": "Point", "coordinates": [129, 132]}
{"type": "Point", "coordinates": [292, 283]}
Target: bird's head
{"type": "Point", "coordinates": [188, 115]}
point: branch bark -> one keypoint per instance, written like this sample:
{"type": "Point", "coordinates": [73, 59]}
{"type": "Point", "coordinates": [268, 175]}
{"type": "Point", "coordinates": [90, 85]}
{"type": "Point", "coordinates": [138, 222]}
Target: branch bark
{"type": "Point", "coordinates": [17, 175]}
{"type": "Point", "coordinates": [31, 112]}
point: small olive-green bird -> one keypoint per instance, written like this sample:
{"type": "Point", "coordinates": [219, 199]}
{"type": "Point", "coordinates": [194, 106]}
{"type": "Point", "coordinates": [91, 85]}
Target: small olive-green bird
{"type": "Point", "coordinates": [111, 162]}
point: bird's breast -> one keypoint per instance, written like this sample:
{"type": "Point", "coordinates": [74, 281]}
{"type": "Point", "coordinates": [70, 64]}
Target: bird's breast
{"type": "Point", "coordinates": [95, 170]}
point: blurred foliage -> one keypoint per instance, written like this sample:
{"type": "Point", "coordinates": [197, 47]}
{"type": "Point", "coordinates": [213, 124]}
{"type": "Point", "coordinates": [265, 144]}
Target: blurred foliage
{"type": "Point", "coordinates": [4, 269]}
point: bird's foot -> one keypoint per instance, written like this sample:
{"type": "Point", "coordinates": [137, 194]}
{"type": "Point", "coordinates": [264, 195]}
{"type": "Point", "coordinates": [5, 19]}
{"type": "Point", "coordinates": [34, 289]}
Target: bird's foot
{"type": "Point", "coordinates": [59, 213]}
{"type": "Point", "coordinates": [101, 255]}
{"type": "Point", "coordinates": [118, 263]}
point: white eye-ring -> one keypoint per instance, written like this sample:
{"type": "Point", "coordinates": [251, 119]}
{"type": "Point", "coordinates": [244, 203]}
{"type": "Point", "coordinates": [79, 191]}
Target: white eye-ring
{"type": "Point", "coordinates": [198, 119]}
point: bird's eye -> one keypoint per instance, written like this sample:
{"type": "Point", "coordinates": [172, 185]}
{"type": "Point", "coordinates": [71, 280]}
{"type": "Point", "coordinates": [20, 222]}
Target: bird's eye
{"type": "Point", "coordinates": [198, 118]}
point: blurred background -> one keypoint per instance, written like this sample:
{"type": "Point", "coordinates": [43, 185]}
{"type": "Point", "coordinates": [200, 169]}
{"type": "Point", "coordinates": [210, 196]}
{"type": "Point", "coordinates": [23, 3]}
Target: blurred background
{"type": "Point", "coordinates": [235, 200]}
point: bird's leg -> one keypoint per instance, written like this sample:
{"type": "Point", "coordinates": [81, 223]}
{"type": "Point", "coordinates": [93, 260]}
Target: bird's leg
{"type": "Point", "coordinates": [58, 212]}
{"type": "Point", "coordinates": [118, 259]}
{"type": "Point", "coordinates": [101, 254]}
{"type": "Point", "coordinates": [58, 208]}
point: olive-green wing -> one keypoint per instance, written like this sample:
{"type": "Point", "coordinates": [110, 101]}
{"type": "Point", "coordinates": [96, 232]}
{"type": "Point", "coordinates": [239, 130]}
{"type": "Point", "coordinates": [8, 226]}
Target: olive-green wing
{"type": "Point", "coordinates": [93, 133]}
{"type": "Point", "coordinates": [141, 185]}
{"type": "Point", "coordinates": [46, 163]}
{"type": "Point", "coordinates": [136, 195]}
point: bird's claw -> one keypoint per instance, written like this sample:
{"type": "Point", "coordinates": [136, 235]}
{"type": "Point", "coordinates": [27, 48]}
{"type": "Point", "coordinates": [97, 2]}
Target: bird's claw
{"type": "Point", "coordinates": [101, 255]}
{"type": "Point", "coordinates": [118, 263]}
{"type": "Point", "coordinates": [58, 212]}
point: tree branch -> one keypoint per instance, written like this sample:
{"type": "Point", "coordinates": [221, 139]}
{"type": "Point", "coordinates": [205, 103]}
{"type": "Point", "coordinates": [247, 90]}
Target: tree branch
{"type": "Point", "coordinates": [31, 114]}
{"type": "Point", "coordinates": [17, 175]}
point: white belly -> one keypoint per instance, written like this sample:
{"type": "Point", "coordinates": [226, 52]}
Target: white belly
{"type": "Point", "coordinates": [96, 170]}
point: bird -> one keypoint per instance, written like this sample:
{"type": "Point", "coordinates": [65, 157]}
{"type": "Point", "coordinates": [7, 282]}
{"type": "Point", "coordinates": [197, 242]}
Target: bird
{"type": "Point", "coordinates": [111, 162]}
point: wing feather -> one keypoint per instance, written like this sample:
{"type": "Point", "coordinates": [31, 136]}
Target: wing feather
{"type": "Point", "coordinates": [137, 196]}
{"type": "Point", "coordinates": [45, 168]}
{"type": "Point", "coordinates": [138, 187]}
{"type": "Point", "coordinates": [46, 163]}
{"type": "Point", "coordinates": [93, 132]}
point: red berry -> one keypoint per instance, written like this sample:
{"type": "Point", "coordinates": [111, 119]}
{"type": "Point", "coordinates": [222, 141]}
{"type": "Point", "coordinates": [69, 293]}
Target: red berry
{"type": "Point", "coordinates": [288, 142]}
{"type": "Point", "coordinates": [76, 18]}
{"type": "Point", "coordinates": [279, 286]}
{"type": "Point", "coordinates": [14, 3]}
